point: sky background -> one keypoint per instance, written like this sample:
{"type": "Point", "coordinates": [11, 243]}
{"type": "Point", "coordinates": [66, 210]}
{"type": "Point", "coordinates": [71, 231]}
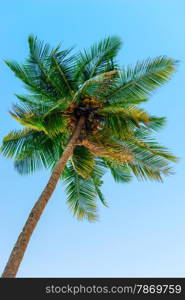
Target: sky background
{"type": "Point", "coordinates": [142, 233]}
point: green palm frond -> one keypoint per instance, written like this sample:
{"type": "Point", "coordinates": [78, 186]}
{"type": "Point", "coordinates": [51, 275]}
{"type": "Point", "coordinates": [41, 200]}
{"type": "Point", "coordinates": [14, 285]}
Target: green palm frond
{"type": "Point", "coordinates": [81, 195]}
{"type": "Point", "coordinates": [118, 127]}
{"type": "Point", "coordinates": [49, 120]}
{"type": "Point", "coordinates": [15, 140]}
{"type": "Point", "coordinates": [38, 49]}
{"type": "Point", "coordinates": [32, 150]}
{"type": "Point", "coordinates": [145, 131]}
{"type": "Point", "coordinates": [156, 123]}
{"type": "Point", "coordinates": [19, 72]}
{"type": "Point", "coordinates": [29, 150]}
{"type": "Point", "coordinates": [31, 161]}
{"type": "Point", "coordinates": [95, 86]}
{"type": "Point", "coordinates": [122, 102]}
{"type": "Point", "coordinates": [97, 184]}
{"type": "Point", "coordinates": [132, 113]}
{"type": "Point", "coordinates": [83, 161]}
{"type": "Point", "coordinates": [148, 166]}
{"type": "Point", "coordinates": [42, 154]}
{"type": "Point", "coordinates": [37, 65]}
{"type": "Point", "coordinates": [27, 117]}
{"type": "Point", "coordinates": [144, 172]}
{"type": "Point", "coordinates": [135, 121]}
{"type": "Point", "coordinates": [53, 68]}
{"type": "Point", "coordinates": [98, 172]}
{"type": "Point", "coordinates": [55, 123]}
{"type": "Point", "coordinates": [32, 82]}
{"type": "Point", "coordinates": [98, 59]}
{"type": "Point", "coordinates": [120, 172]}
{"type": "Point", "coordinates": [43, 108]}
{"type": "Point", "coordinates": [153, 147]}
{"type": "Point", "coordinates": [47, 73]}
{"type": "Point", "coordinates": [35, 103]}
{"type": "Point", "coordinates": [62, 70]}
{"type": "Point", "coordinates": [34, 159]}
{"type": "Point", "coordinates": [143, 79]}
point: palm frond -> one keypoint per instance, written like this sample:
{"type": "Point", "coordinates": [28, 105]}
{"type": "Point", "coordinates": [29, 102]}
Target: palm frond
{"type": "Point", "coordinates": [122, 102]}
{"type": "Point", "coordinates": [35, 103]}
{"type": "Point", "coordinates": [156, 123]}
{"type": "Point", "coordinates": [43, 154]}
{"type": "Point", "coordinates": [131, 113]}
{"type": "Point", "coordinates": [47, 73]}
{"type": "Point", "coordinates": [83, 161]}
{"type": "Point", "coordinates": [95, 86]}
{"type": "Point", "coordinates": [98, 59]}
{"type": "Point", "coordinates": [81, 195]}
{"type": "Point", "coordinates": [148, 166]}
{"type": "Point", "coordinates": [112, 151]}
{"type": "Point", "coordinates": [153, 147]}
{"type": "Point", "coordinates": [143, 79]}
{"type": "Point", "coordinates": [32, 81]}
{"type": "Point", "coordinates": [31, 161]}
{"type": "Point", "coordinates": [55, 124]}
{"type": "Point", "coordinates": [37, 64]}
{"type": "Point", "coordinates": [43, 108]}
{"type": "Point", "coordinates": [27, 117]}
{"type": "Point", "coordinates": [62, 69]}
{"type": "Point", "coordinates": [15, 140]}
{"type": "Point", "coordinates": [97, 184]}
{"type": "Point", "coordinates": [120, 172]}
{"type": "Point", "coordinates": [38, 49]}
{"type": "Point", "coordinates": [102, 84]}
{"type": "Point", "coordinates": [32, 150]}
{"type": "Point", "coordinates": [118, 127]}
{"type": "Point", "coordinates": [98, 172]}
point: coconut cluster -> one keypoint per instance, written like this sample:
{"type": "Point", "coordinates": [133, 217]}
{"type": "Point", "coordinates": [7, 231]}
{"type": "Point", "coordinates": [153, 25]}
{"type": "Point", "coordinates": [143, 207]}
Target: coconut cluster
{"type": "Point", "coordinates": [87, 107]}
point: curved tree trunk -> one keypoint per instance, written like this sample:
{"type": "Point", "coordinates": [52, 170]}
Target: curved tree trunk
{"type": "Point", "coordinates": [19, 249]}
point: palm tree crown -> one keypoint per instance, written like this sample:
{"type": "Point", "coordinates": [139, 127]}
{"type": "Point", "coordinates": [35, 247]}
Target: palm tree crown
{"type": "Point", "coordinates": [117, 134]}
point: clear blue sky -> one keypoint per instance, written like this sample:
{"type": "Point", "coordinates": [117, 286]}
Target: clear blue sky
{"type": "Point", "coordinates": [142, 233]}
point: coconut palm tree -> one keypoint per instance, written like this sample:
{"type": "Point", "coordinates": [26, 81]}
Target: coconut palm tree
{"type": "Point", "coordinates": [82, 116]}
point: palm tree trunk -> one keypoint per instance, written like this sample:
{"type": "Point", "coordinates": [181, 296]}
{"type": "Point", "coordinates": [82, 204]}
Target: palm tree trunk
{"type": "Point", "coordinates": [19, 249]}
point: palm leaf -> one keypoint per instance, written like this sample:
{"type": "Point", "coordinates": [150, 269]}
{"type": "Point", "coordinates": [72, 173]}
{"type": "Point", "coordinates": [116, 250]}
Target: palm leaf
{"type": "Point", "coordinates": [131, 113]}
{"type": "Point", "coordinates": [111, 150]}
{"type": "Point", "coordinates": [95, 86]}
{"type": "Point", "coordinates": [43, 154]}
{"type": "Point", "coordinates": [143, 79]}
{"type": "Point", "coordinates": [147, 165]}
{"type": "Point", "coordinates": [97, 184]}
{"type": "Point", "coordinates": [120, 172]}
{"type": "Point", "coordinates": [83, 161]}
{"type": "Point", "coordinates": [62, 69]}
{"type": "Point", "coordinates": [153, 147]}
{"type": "Point", "coordinates": [15, 140]}
{"type": "Point", "coordinates": [99, 59]}
{"type": "Point", "coordinates": [55, 123]}
{"type": "Point", "coordinates": [38, 66]}
{"type": "Point", "coordinates": [32, 81]}
{"type": "Point", "coordinates": [27, 117]}
{"type": "Point", "coordinates": [32, 150]}
{"type": "Point", "coordinates": [96, 175]}
{"type": "Point", "coordinates": [81, 195]}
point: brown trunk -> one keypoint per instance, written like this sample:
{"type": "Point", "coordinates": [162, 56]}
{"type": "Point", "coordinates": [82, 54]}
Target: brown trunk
{"type": "Point", "coordinates": [19, 249]}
